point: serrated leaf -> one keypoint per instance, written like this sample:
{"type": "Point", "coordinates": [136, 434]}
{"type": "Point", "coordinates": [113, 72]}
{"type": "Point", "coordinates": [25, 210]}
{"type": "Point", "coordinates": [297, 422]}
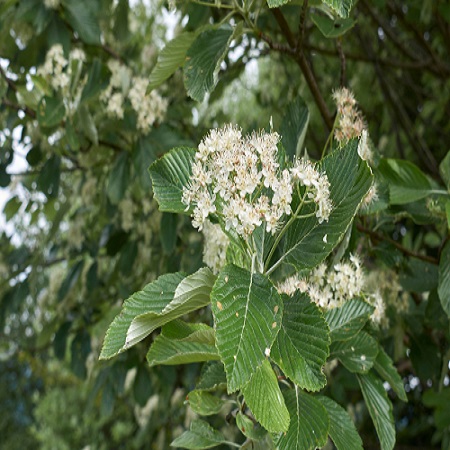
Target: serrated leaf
{"type": "Point", "coordinates": [348, 319]}
{"type": "Point", "coordinates": [277, 3]}
{"type": "Point", "coordinates": [358, 353]}
{"type": "Point", "coordinates": [342, 429]}
{"type": "Point", "coordinates": [341, 7]}
{"type": "Point", "coordinates": [192, 293]}
{"type": "Point", "coordinates": [380, 409]}
{"type": "Point", "coordinates": [294, 126]}
{"type": "Point", "coordinates": [307, 242]}
{"type": "Point", "coordinates": [200, 435]}
{"type": "Point", "coordinates": [154, 297]}
{"type": "Point", "coordinates": [203, 61]}
{"type": "Point", "coordinates": [172, 56]}
{"type": "Point", "coordinates": [50, 112]}
{"type": "Point", "coordinates": [302, 345]}
{"type": "Point", "coordinates": [332, 28]}
{"type": "Point", "coordinates": [309, 424]}
{"type": "Point", "coordinates": [119, 178]}
{"type": "Point", "coordinates": [264, 398]}
{"type": "Point", "coordinates": [444, 278]}
{"type": "Point", "coordinates": [386, 369]}
{"type": "Point", "coordinates": [247, 314]}
{"type": "Point", "coordinates": [82, 16]}
{"type": "Point", "coordinates": [212, 377]}
{"type": "Point", "coordinates": [204, 403]}
{"type": "Point", "coordinates": [407, 183]}
{"type": "Point", "coordinates": [444, 169]}
{"type": "Point", "coordinates": [169, 174]}
{"type": "Point", "coordinates": [249, 428]}
{"type": "Point", "coordinates": [187, 344]}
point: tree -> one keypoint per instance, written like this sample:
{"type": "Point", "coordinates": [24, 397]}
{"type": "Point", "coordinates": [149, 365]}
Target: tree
{"type": "Point", "coordinates": [306, 141]}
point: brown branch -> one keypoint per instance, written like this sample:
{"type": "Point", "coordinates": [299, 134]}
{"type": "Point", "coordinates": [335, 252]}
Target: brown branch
{"type": "Point", "coordinates": [301, 25]}
{"type": "Point", "coordinates": [305, 68]}
{"type": "Point", "coordinates": [379, 237]}
{"type": "Point", "coordinates": [28, 111]}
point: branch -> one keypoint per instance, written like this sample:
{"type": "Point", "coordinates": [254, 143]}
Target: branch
{"type": "Point", "coordinates": [305, 68]}
{"type": "Point", "coordinates": [379, 237]}
{"type": "Point", "coordinates": [28, 111]}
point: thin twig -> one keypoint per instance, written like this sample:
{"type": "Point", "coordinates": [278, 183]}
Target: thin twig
{"type": "Point", "coordinates": [379, 237]}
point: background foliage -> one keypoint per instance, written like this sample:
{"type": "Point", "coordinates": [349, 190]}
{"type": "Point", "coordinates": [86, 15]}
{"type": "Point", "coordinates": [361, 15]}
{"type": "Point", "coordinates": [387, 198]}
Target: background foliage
{"type": "Point", "coordinates": [81, 231]}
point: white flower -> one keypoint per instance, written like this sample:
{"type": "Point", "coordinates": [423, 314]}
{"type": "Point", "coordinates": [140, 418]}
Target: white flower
{"type": "Point", "coordinates": [215, 246]}
{"type": "Point", "coordinates": [364, 151]}
{"type": "Point", "coordinates": [115, 106]}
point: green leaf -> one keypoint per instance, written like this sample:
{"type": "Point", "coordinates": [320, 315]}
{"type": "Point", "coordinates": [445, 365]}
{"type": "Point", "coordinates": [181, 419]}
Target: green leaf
{"type": "Point", "coordinates": [342, 429]}
{"type": "Point", "coordinates": [341, 7]}
{"type": "Point", "coordinates": [119, 178]}
{"type": "Point", "coordinates": [277, 3]}
{"type": "Point", "coordinates": [154, 297]}
{"type": "Point", "coordinates": [419, 276]}
{"type": "Point", "coordinates": [212, 377]}
{"type": "Point", "coordinates": [249, 428]}
{"type": "Point", "coordinates": [50, 112]}
{"type": "Point", "coordinates": [190, 343]}
{"type": "Point", "coordinates": [357, 353]}
{"type": "Point", "coordinates": [72, 277]}
{"type": "Point", "coordinates": [302, 345]}
{"type": "Point", "coordinates": [348, 319]}
{"type": "Point", "coordinates": [169, 175]}
{"type": "Point", "coordinates": [386, 369]}
{"type": "Point", "coordinates": [204, 403]}
{"type": "Point", "coordinates": [87, 124]}
{"type": "Point", "coordinates": [263, 396]}
{"type": "Point", "coordinates": [199, 436]}
{"type": "Point", "coordinates": [309, 424]}
{"type": "Point", "coordinates": [168, 232]}
{"type": "Point", "coordinates": [444, 169]}
{"type": "Point", "coordinates": [82, 16]}
{"type": "Point", "coordinates": [332, 28]}
{"type": "Point", "coordinates": [308, 242]}
{"type": "Point", "coordinates": [247, 314]}
{"type": "Point", "coordinates": [203, 61]}
{"type": "Point", "coordinates": [380, 409]}
{"type": "Point", "coordinates": [172, 56]}
{"type": "Point", "coordinates": [95, 82]}
{"type": "Point", "coordinates": [191, 294]}
{"type": "Point", "coordinates": [49, 177]}
{"type": "Point", "coordinates": [440, 401]}
{"type": "Point", "coordinates": [444, 278]}
{"type": "Point", "coordinates": [294, 126]}
{"type": "Point", "coordinates": [407, 183]}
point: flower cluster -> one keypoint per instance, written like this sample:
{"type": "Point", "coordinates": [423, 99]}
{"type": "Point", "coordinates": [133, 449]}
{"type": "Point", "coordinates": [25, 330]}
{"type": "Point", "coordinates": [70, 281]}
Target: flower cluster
{"type": "Point", "coordinates": [332, 287]}
{"type": "Point", "coordinates": [350, 121]}
{"type": "Point", "coordinates": [215, 246]}
{"type": "Point", "coordinates": [51, 4]}
{"type": "Point", "coordinates": [54, 68]}
{"type": "Point", "coordinates": [240, 179]}
{"type": "Point", "coordinates": [149, 108]}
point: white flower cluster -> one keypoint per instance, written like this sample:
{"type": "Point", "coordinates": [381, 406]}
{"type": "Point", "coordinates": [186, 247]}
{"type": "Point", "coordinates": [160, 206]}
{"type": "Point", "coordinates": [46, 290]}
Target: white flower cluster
{"type": "Point", "coordinates": [329, 288]}
{"type": "Point", "coordinates": [350, 121]}
{"type": "Point", "coordinates": [240, 179]}
{"type": "Point", "coordinates": [149, 108]}
{"type": "Point", "coordinates": [54, 68]}
{"type": "Point", "coordinates": [51, 4]}
{"type": "Point", "coordinates": [332, 287]}
{"type": "Point", "coordinates": [57, 69]}
{"type": "Point", "coordinates": [215, 246]}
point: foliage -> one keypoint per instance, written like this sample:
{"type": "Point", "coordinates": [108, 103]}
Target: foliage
{"type": "Point", "coordinates": [323, 312]}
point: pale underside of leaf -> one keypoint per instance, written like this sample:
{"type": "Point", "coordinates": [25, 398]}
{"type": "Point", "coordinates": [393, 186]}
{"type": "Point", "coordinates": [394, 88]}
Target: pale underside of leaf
{"type": "Point", "coordinates": [192, 293]}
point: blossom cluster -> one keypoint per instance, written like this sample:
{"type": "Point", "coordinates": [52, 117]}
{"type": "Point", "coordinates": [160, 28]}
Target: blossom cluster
{"type": "Point", "coordinates": [240, 180]}
{"type": "Point", "coordinates": [215, 246]}
{"type": "Point", "coordinates": [60, 72]}
{"type": "Point", "coordinates": [149, 108]}
{"type": "Point", "coordinates": [332, 287]}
